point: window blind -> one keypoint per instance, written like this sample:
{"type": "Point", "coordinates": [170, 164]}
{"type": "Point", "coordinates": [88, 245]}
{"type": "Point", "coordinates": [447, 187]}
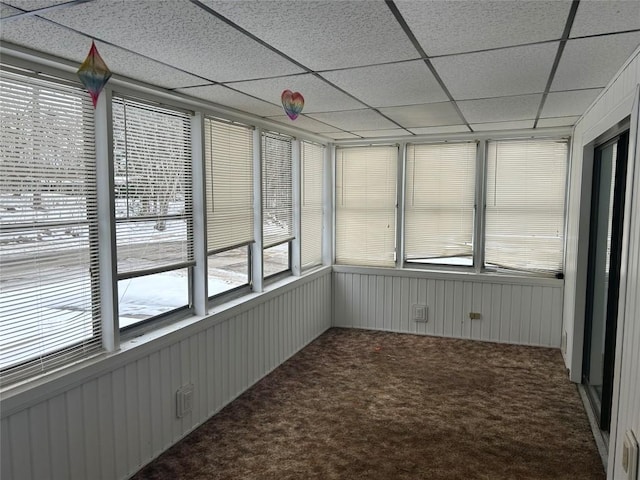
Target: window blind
{"type": "Point", "coordinates": [440, 202]}
{"type": "Point", "coordinates": [49, 294]}
{"type": "Point", "coordinates": [229, 184]}
{"type": "Point", "coordinates": [366, 205]}
{"type": "Point", "coordinates": [153, 192]}
{"type": "Point", "coordinates": [312, 159]}
{"type": "Point", "coordinates": [277, 206]}
{"type": "Point", "coordinates": [525, 206]}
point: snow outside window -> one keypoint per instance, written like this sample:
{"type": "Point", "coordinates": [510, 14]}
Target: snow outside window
{"type": "Point", "coordinates": [525, 206]}
{"type": "Point", "coordinates": [49, 295]}
{"type": "Point", "coordinates": [440, 203]}
{"type": "Point", "coordinates": [366, 205]}
{"type": "Point", "coordinates": [153, 208]}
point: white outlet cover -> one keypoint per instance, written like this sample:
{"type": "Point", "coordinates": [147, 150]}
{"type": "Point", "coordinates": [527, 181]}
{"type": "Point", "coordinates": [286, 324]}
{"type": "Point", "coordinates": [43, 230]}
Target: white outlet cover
{"type": "Point", "coordinates": [184, 400]}
{"type": "Point", "coordinates": [420, 313]}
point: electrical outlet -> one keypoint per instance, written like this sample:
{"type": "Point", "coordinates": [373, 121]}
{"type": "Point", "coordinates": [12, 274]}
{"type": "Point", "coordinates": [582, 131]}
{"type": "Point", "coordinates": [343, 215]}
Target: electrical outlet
{"type": "Point", "coordinates": [630, 456]}
{"type": "Point", "coordinates": [419, 313]}
{"type": "Point", "coordinates": [184, 400]}
{"type": "Point", "coordinates": [475, 315]}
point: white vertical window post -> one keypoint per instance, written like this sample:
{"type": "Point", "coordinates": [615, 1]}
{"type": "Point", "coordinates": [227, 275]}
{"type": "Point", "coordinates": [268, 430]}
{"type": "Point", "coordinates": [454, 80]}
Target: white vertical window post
{"type": "Point", "coordinates": [402, 154]}
{"type": "Point", "coordinates": [296, 268]}
{"type": "Point", "coordinates": [199, 276]}
{"type": "Point", "coordinates": [256, 246]}
{"type": "Point", "coordinates": [106, 223]}
{"type": "Point", "coordinates": [481, 204]}
{"type": "Point", "coordinates": [328, 213]}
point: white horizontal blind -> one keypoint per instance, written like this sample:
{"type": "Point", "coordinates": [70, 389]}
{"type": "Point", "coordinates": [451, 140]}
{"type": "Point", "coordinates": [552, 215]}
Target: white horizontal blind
{"type": "Point", "coordinates": [49, 295]}
{"type": "Point", "coordinates": [312, 158]}
{"type": "Point", "coordinates": [229, 184]}
{"type": "Point", "coordinates": [525, 206]}
{"type": "Point", "coordinates": [366, 205]}
{"type": "Point", "coordinates": [277, 206]}
{"type": "Point", "coordinates": [440, 201]}
{"type": "Point", "coordinates": [153, 192]}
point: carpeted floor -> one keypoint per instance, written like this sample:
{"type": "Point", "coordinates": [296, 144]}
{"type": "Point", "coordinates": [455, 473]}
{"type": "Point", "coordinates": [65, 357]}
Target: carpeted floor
{"type": "Point", "coordinates": [371, 405]}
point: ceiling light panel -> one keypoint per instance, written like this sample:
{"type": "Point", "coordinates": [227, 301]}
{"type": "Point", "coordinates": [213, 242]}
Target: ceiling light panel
{"type": "Point", "coordinates": [230, 98]}
{"type": "Point", "coordinates": [44, 36]}
{"type": "Point", "coordinates": [352, 120]}
{"type": "Point", "coordinates": [179, 33]}
{"type": "Point", "coordinates": [592, 62]}
{"type": "Point", "coordinates": [323, 35]}
{"type": "Point", "coordinates": [523, 107]}
{"type": "Point", "coordinates": [597, 17]}
{"type": "Point", "coordinates": [306, 123]}
{"type": "Point", "coordinates": [318, 95]}
{"type": "Point", "coordinates": [509, 71]}
{"type": "Point", "coordinates": [564, 104]}
{"type": "Point", "coordinates": [446, 27]}
{"type": "Point", "coordinates": [403, 83]}
{"type": "Point", "coordinates": [426, 115]}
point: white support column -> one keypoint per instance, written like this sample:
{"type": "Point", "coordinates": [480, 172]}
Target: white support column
{"type": "Point", "coordinates": [296, 191]}
{"type": "Point", "coordinates": [481, 185]}
{"type": "Point", "coordinates": [200, 277]}
{"type": "Point", "coordinates": [106, 223]}
{"type": "Point", "coordinates": [328, 210]}
{"type": "Point", "coordinates": [256, 246]}
{"type": "Point", "coordinates": [400, 198]}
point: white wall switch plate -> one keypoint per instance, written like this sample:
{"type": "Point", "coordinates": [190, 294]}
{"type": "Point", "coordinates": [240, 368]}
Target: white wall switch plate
{"type": "Point", "coordinates": [630, 456]}
{"type": "Point", "coordinates": [419, 313]}
{"type": "Point", "coordinates": [184, 400]}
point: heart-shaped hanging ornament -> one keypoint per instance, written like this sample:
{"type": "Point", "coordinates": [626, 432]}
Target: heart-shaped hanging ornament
{"type": "Point", "coordinates": [292, 102]}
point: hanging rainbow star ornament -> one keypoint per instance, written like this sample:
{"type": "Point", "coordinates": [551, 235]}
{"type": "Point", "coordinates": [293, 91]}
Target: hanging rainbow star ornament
{"type": "Point", "coordinates": [292, 102]}
{"type": "Point", "coordinates": [94, 73]}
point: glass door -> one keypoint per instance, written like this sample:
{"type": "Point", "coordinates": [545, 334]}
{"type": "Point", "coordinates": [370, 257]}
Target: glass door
{"type": "Point", "coordinates": [603, 277]}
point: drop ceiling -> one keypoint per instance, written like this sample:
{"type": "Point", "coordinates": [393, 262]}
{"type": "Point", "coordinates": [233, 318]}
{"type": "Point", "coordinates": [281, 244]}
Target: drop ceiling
{"type": "Point", "coordinates": [367, 68]}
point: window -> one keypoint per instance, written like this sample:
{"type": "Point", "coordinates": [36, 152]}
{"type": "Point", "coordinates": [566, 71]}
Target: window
{"type": "Point", "coordinates": [49, 292]}
{"type": "Point", "coordinates": [525, 206]}
{"type": "Point", "coordinates": [312, 159]}
{"type": "Point", "coordinates": [366, 205]}
{"type": "Point", "coordinates": [229, 200]}
{"type": "Point", "coordinates": [440, 203]}
{"type": "Point", "coordinates": [153, 203]}
{"type": "Point", "coordinates": [277, 204]}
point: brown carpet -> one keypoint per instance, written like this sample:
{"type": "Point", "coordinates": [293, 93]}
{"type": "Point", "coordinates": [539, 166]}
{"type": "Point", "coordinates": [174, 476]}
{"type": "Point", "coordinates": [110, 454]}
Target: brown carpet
{"type": "Point", "coordinates": [371, 405]}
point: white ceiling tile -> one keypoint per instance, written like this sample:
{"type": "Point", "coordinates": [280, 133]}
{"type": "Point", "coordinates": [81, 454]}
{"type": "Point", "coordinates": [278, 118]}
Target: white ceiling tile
{"type": "Point", "coordinates": [355, 120]}
{"type": "Point", "coordinates": [7, 11]}
{"type": "Point", "coordinates": [318, 95]}
{"type": "Point", "coordinates": [558, 122]}
{"type": "Point", "coordinates": [438, 130]}
{"type": "Point", "coordinates": [46, 37]}
{"type": "Point", "coordinates": [307, 123]}
{"type": "Point", "coordinates": [230, 98]}
{"type": "Point", "coordinates": [426, 115]}
{"type": "Point", "coordinates": [323, 35]}
{"type": "Point", "coordinates": [523, 107]}
{"type": "Point", "coordinates": [178, 33]}
{"type": "Point", "coordinates": [394, 132]}
{"type": "Point", "coordinates": [445, 27]}
{"type": "Point", "coordinates": [606, 16]}
{"type": "Point", "coordinates": [30, 5]}
{"type": "Point", "coordinates": [564, 104]}
{"type": "Point", "coordinates": [405, 83]}
{"type": "Point", "coordinates": [340, 135]}
{"type": "Point", "coordinates": [592, 62]}
{"type": "Point", "coordinates": [509, 71]}
{"type": "Point", "coordinates": [485, 127]}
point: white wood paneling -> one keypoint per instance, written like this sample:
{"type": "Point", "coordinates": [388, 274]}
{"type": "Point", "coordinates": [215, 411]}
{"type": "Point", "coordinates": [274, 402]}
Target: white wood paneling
{"type": "Point", "coordinates": [523, 311]}
{"type": "Point", "coordinates": [109, 425]}
{"type": "Point", "coordinates": [613, 105]}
